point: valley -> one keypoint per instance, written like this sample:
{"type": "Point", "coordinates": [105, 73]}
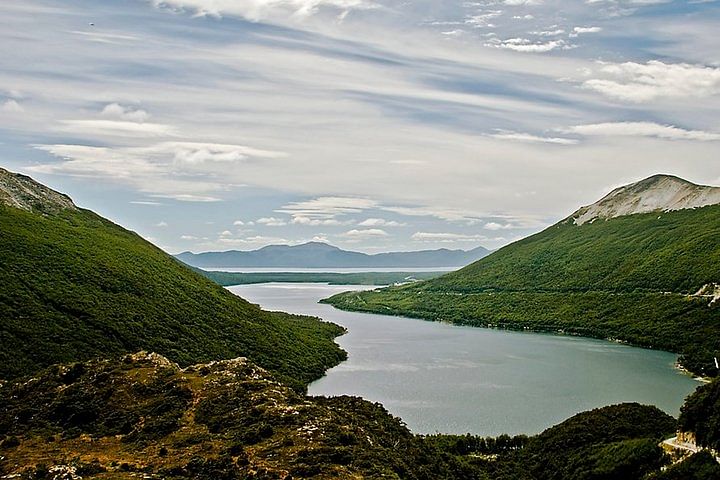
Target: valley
{"type": "Point", "coordinates": [217, 389]}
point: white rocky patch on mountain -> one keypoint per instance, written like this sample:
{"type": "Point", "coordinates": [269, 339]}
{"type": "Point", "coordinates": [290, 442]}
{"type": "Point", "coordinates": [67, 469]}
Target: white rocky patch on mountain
{"type": "Point", "coordinates": [659, 193]}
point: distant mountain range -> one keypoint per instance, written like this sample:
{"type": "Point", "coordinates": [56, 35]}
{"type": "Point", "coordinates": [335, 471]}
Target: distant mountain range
{"type": "Point", "coordinates": [322, 255]}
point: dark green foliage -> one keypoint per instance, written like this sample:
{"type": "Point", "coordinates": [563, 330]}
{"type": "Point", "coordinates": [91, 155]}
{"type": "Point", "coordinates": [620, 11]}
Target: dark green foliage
{"type": "Point", "coordinates": [625, 459]}
{"type": "Point", "coordinates": [596, 443]}
{"type": "Point", "coordinates": [76, 286]}
{"type": "Point", "coordinates": [94, 399]}
{"type": "Point", "coordinates": [627, 278]}
{"type": "Point", "coordinates": [655, 252]}
{"type": "Point", "coordinates": [617, 442]}
{"type": "Point", "coordinates": [700, 466]}
{"type": "Point", "coordinates": [701, 415]}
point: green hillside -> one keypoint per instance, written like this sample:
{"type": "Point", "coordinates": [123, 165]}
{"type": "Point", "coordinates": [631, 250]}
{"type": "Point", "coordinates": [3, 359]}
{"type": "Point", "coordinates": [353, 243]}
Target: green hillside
{"type": "Point", "coordinates": [656, 252]}
{"type": "Point", "coordinates": [73, 286]}
{"type": "Point", "coordinates": [630, 278]}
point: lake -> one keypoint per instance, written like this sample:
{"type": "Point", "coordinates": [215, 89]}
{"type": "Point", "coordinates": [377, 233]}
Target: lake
{"type": "Point", "coordinates": [452, 379]}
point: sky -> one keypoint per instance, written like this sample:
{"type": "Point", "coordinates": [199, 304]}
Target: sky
{"type": "Point", "coordinates": [373, 125]}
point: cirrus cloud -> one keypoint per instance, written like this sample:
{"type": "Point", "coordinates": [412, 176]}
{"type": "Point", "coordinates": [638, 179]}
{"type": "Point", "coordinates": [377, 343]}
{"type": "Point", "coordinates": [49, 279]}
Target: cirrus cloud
{"type": "Point", "coordinates": [642, 129]}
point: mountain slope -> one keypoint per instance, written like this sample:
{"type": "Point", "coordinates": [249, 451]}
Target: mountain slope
{"type": "Point", "coordinates": [73, 286]}
{"type": "Point", "coordinates": [322, 255]}
{"type": "Point", "coordinates": [631, 277]}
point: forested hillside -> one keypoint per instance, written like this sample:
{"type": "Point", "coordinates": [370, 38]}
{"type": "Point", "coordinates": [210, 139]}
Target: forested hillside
{"type": "Point", "coordinates": [74, 286]}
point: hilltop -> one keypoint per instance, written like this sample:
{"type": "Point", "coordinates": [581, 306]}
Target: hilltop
{"type": "Point", "coordinates": [74, 286]}
{"type": "Point", "coordinates": [322, 255]}
{"type": "Point", "coordinates": [645, 278]}
{"type": "Point", "coordinates": [659, 193]}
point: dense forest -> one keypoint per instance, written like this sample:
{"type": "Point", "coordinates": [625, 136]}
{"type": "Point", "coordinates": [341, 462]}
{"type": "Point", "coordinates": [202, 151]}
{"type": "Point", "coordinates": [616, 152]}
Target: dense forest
{"type": "Point", "coordinates": [701, 414]}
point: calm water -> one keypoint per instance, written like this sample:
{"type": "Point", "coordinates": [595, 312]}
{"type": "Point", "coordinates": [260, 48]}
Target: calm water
{"type": "Point", "coordinates": [449, 379]}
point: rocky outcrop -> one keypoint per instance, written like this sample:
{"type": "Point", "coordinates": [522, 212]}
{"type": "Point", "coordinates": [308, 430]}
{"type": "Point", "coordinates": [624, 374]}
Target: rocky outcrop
{"type": "Point", "coordinates": [20, 191]}
{"type": "Point", "coordinates": [654, 194]}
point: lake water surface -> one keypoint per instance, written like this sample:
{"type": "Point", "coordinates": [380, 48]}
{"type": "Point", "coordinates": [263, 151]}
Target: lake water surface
{"type": "Point", "coordinates": [452, 379]}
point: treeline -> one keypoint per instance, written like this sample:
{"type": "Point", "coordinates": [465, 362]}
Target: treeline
{"type": "Point", "coordinates": [476, 445]}
{"type": "Point", "coordinates": [701, 414]}
{"type": "Point", "coordinates": [359, 278]}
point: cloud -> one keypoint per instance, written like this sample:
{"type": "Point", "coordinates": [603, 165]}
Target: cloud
{"type": "Point", "coordinates": [527, 45]}
{"type": "Point", "coordinates": [188, 237]}
{"type": "Point", "coordinates": [522, 2]}
{"type": "Point", "coordinates": [498, 226]}
{"type": "Point", "coordinates": [380, 222]}
{"type": "Point", "coordinates": [257, 10]}
{"type": "Point", "coordinates": [117, 128]}
{"type": "Point", "coordinates": [448, 214]}
{"type": "Point", "coordinates": [118, 121]}
{"type": "Point", "coordinates": [365, 233]}
{"type": "Point", "coordinates": [581, 30]}
{"type": "Point", "coordinates": [445, 237]}
{"type": "Point", "coordinates": [161, 224]}
{"type": "Point", "coordinates": [257, 241]}
{"type": "Point", "coordinates": [11, 106]}
{"type": "Point", "coordinates": [315, 222]}
{"type": "Point", "coordinates": [238, 223]}
{"type": "Point", "coordinates": [527, 137]}
{"type": "Point", "coordinates": [106, 37]}
{"type": "Point", "coordinates": [184, 171]}
{"type": "Point", "coordinates": [642, 129]}
{"type": "Point", "coordinates": [271, 222]}
{"type": "Point", "coordinates": [326, 207]}
{"type": "Point", "coordinates": [638, 82]}
{"type": "Point", "coordinates": [115, 110]}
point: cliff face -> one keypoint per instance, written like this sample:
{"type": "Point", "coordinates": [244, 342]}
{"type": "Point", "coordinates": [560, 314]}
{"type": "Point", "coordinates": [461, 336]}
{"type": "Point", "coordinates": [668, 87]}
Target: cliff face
{"type": "Point", "coordinates": [656, 193]}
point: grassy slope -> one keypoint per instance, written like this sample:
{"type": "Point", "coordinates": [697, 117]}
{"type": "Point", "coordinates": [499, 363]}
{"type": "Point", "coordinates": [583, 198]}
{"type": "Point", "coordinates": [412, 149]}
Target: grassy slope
{"type": "Point", "coordinates": [625, 278]}
{"type": "Point", "coordinates": [76, 286]}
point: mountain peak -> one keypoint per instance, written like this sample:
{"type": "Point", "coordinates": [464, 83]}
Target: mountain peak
{"type": "Point", "coordinates": [316, 246]}
{"type": "Point", "coordinates": [656, 193]}
{"type": "Point", "coordinates": [21, 191]}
